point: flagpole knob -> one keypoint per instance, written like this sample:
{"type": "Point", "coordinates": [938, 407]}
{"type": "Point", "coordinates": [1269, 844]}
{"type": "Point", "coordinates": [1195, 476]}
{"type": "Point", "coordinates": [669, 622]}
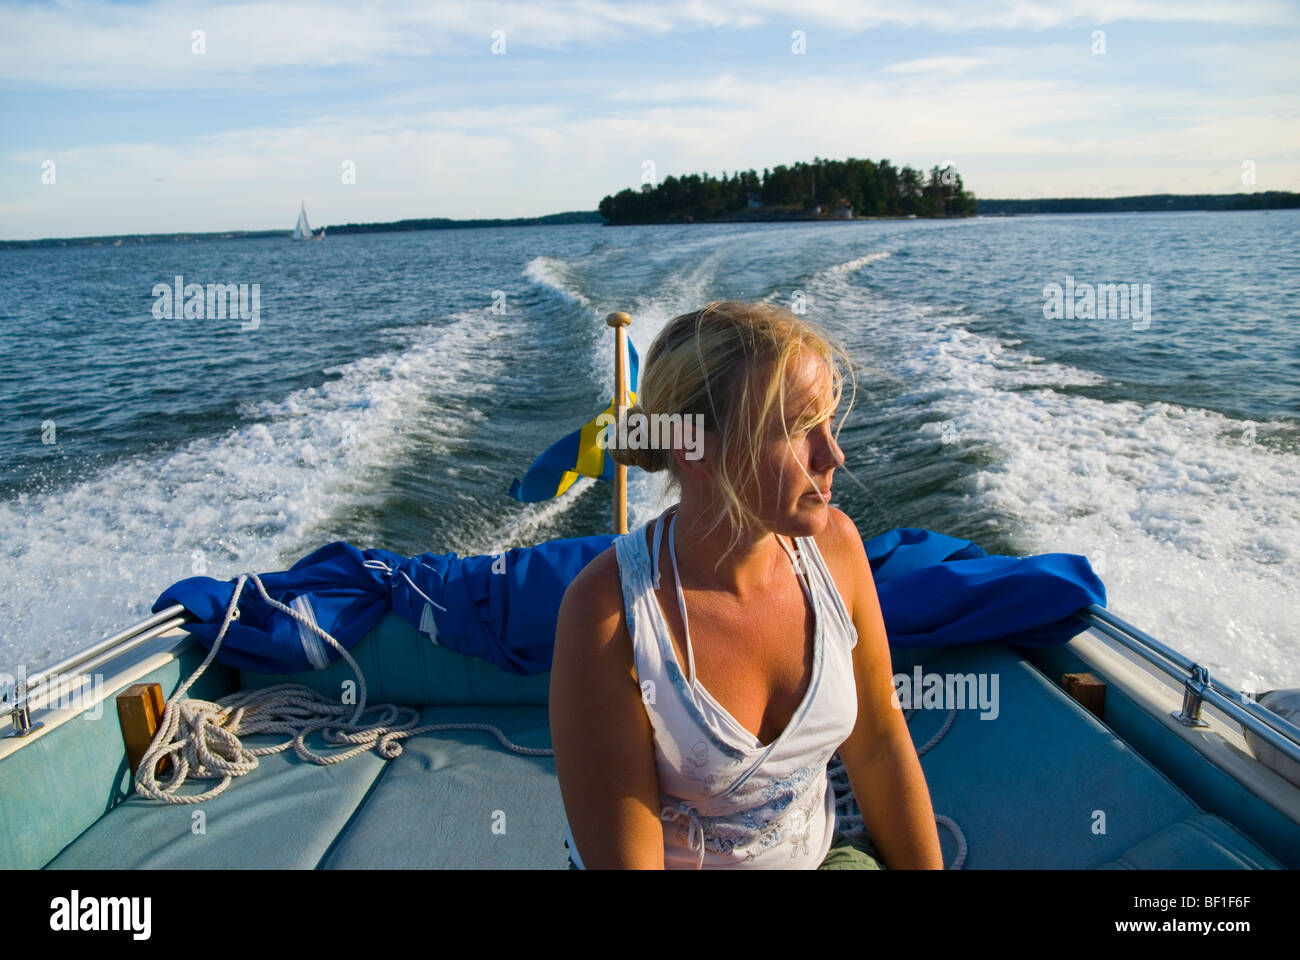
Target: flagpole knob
{"type": "Point", "coordinates": [618, 319]}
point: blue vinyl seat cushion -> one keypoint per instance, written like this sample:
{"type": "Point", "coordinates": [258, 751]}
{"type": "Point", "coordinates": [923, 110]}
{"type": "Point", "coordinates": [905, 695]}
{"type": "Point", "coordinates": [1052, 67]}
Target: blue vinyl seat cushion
{"type": "Point", "coordinates": [460, 800]}
{"type": "Point", "coordinates": [434, 806]}
{"type": "Point", "coordinates": [282, 815]}
{"type": "Point", "coordinates": [1034, 787]}
{"type": "Point", "coordinates": [408, 668]}
{"type": "Point", "coordinates": [1202, 842]}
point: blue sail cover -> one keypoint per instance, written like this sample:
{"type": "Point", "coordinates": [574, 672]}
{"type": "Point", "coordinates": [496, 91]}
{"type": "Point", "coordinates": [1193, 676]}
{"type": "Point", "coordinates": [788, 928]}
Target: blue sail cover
{"type": "Point", "coordinates": [937, 591]}
{"type": "Point", "coordinates": [934, 590]}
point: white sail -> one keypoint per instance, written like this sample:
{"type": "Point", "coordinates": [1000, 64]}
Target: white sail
{"type": "Point", "coordinates": [302, 230]}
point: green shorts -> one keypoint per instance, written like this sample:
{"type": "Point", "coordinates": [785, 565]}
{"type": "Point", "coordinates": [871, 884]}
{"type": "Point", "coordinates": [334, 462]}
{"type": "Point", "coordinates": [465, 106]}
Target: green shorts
{"type": "Point", "coordinates": [854, 853]}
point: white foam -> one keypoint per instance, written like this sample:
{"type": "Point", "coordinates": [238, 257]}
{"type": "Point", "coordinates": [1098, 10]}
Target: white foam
{"type": "Point", "coordinates": [851, 266]}
{"type": "Point", "coordinates": [91, 559]}
{"type": "Point", "coordinates": [1192, 530]}
{"type": "Point", "coordinates": [556, 275]}
{"type": "Point", "coordinates": [536, 523]}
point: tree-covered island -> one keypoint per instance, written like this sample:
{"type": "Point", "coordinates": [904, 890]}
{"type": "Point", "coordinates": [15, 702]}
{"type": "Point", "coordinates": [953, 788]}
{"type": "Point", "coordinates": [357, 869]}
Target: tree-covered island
{"type": "Point", "coordinates": [823, 189]}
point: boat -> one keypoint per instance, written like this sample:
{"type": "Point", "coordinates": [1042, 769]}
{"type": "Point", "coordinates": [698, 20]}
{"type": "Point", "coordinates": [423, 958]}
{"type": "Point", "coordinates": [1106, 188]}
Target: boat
{"type": "Point", "coordinates": [302, 229]}
{"type": "Point", "coordinates": [1162, 778]}
{"type": "Point", "coordinates": [1110, 751]}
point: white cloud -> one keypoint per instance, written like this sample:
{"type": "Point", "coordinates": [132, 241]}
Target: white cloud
{"type": "Point", "coordinates": [77, 44]}
{"type": "Point", "coordinates": [944, 66]}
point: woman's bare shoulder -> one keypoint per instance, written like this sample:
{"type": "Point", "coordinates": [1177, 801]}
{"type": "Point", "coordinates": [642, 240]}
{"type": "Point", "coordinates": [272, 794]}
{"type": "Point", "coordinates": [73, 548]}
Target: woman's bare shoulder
{"type": "Point", "coordinates": [600, 730]}
{"type": "Point", "coordinates": [597, 582]}
{"type": "Point", "coordinates": [591, 611]}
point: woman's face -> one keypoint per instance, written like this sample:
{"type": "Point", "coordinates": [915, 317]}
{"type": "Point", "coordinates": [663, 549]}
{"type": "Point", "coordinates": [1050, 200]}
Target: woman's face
{"type": "Point", "coordinates": [791, 488]}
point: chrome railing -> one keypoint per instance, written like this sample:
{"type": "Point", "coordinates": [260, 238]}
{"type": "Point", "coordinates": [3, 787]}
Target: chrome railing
{"type": "Point", "coordinates": [17, 697]}
{"type": "Point", "coordinates": [1198, 686]}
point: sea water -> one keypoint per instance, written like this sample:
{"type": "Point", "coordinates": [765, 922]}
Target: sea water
{"type": "Point", "coordinates": [396, 383]}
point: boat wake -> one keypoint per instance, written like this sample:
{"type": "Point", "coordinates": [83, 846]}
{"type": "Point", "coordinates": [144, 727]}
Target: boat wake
{"type": "Point", "coordinates": [89, 559]}
{"type": "Point", "coordinates": [1182, 511]}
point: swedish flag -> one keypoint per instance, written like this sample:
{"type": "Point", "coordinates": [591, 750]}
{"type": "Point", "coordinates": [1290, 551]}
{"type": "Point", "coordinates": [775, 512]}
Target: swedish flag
{"type": "Point", "coordinates": [576, 455]}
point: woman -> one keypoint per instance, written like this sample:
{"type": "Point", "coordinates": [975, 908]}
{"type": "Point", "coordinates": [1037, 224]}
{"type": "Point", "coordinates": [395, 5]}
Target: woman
{"type": "Point", "coordinates": [768, 602]}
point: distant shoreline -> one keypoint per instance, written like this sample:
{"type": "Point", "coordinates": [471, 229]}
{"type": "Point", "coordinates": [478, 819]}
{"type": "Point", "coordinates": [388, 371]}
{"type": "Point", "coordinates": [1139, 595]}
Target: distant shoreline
{"type": "Point", "coordinates": [396, 226]}
{"type": "Point", "coordinates": [1154, 203]}
{"type": "Point", "coordinates": [1150, 203]}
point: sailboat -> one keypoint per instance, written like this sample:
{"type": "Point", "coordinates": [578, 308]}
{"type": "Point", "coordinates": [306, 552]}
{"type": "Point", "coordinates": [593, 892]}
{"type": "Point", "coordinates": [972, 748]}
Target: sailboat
{"type": "Point", "coordinates": [302, 229]}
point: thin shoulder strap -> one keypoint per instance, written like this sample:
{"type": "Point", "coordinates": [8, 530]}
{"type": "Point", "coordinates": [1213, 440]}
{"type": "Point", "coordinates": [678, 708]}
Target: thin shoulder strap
{"type": "Point", "coordinates": [654, 560]}
{"type": "Point", "coordinates": [681, 599]}
{"type": "Point", "coordinates": [799, 562]}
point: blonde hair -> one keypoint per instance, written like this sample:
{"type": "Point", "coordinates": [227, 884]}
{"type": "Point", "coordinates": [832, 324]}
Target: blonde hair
{"type": "Point", "coordinates": [716, 362]}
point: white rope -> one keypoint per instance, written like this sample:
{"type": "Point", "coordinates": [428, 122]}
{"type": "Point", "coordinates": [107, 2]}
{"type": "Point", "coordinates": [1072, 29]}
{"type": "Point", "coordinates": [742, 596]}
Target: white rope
{"type": "Point", "coordinates": [202, 738]}
{"type": "Point", "coordinates": [846, 807]}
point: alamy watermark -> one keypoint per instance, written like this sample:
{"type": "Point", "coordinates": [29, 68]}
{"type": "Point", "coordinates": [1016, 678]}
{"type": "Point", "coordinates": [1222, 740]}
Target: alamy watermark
{"type": "Point", "coordinates": [127, 914]}
{"type": "Point", "coordinates": [216, 301]}
{"type": "Point", "coordinates": [947, 691]}
{"type": "Point", "coordinates": [82, 693]}
{"type": "Point", "coordinates": [1105, 301]}
{"type": "Point", "coordinates": [653, 431]}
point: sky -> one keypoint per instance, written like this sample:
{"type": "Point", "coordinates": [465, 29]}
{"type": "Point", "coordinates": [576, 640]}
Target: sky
{"type": "Point", "coordinates": [143, 117]}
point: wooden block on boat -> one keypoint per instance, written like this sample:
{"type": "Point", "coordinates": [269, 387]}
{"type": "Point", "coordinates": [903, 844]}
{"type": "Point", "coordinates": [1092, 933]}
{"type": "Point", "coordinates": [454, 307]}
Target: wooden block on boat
{"type": "Point", "coordinates": [1088, 690]}
{"type": "Point", "coordinates": [140, 710]}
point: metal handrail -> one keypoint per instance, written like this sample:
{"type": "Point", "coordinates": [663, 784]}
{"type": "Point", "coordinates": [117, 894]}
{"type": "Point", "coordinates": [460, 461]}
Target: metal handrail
{"type": "Point", "coordinates": [112, 641]}
{"type": "Point", "coordinates": [1198, 686]}
{"type": "Point", "coordinates": [19, 696]}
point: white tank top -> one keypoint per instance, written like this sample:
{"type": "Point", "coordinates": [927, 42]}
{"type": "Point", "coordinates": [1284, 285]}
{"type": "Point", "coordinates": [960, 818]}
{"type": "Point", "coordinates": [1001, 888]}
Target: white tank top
{"type": "Point", "coordinates": [726, 800]}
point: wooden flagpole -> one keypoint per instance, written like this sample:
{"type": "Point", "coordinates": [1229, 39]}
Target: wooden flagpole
{"type": "Point", "coordinates": [618, 321]}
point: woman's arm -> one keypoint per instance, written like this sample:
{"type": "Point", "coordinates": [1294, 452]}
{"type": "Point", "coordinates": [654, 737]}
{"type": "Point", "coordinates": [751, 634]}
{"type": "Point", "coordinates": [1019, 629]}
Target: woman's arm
{"type": "Point", "coordinates": [604, 744]}
{"type": "Point", "coordinates": [879, 755]}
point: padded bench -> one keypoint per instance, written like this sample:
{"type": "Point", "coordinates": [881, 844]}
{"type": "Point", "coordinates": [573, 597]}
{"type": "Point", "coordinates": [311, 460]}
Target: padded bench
{"type": "Point", "coordinates": [1024, 787]}
{"type": "Point", "coordinates": [1033, 787]}
{"type": "Point", "coordinates": [434, 806]}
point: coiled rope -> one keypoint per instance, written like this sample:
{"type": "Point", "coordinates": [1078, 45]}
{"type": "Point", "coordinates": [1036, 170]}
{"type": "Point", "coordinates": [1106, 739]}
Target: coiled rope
{"type": "Point", "coordinates": [202, 738]}
{"type": "Point", "coordinates": [846, 808]}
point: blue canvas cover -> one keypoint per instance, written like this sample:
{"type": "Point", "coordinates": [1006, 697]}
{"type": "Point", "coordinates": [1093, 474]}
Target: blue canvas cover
{"type": "Point", "coordinates": [934, 590]}
{"type": "Point", "coordinates": [937, 590]}
{"type": "Point", "coordinates": [506, 616]}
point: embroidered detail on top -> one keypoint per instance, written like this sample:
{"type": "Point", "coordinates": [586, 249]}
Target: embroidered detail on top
{"type": "Point", "coordinates": [801, 831]}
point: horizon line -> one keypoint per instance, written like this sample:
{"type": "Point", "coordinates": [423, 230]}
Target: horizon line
{"type": "Point", "coordinates": [254, 234]}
